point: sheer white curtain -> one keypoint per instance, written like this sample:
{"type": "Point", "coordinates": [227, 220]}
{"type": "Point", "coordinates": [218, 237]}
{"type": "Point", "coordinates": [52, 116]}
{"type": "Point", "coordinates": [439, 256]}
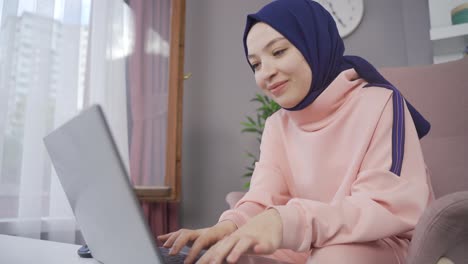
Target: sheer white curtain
{"type": "Point", "coordinates": [56, 57]}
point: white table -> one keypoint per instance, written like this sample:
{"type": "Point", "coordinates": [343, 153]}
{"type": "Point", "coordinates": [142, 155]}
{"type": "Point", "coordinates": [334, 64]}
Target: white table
{"type": "Point", "coordinates": [20, 250]}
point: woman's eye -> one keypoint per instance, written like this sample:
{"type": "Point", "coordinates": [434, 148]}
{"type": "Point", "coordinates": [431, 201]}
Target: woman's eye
{"type": "Point", "coordinates": [255, 66]}
{"type": "Point", "coordinates": [279, 52]}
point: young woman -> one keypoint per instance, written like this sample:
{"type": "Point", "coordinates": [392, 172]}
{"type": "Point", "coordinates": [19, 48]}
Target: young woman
{"type": "Point", "coordinates": [341, 176]}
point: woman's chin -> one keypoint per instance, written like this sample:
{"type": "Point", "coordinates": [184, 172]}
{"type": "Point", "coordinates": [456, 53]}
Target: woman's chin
{"type": "Point", "coordinates": [285, 103]}
{"type": "Point", "coordinates": [283, 100]}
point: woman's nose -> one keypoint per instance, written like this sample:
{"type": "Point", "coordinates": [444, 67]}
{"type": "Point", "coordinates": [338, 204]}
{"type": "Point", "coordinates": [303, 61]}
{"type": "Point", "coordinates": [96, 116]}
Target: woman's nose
{"type": "Point", "coordinates": [268, 71]}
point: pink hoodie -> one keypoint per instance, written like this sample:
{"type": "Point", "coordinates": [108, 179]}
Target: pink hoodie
{"type": "Point", "coordinates": [326, 169]}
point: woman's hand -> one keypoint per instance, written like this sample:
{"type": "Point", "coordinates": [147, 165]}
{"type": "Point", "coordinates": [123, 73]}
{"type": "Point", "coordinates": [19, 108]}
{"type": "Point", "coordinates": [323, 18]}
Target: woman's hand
{"type": "Point", "coordinates": [261, 235]}
{"type": "Point", "coordinates": [201, 238]}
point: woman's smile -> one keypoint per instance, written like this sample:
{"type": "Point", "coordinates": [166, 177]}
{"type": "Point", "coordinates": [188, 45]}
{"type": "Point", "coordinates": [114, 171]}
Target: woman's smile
{"type": "Point", "coordinates": [278, 88]}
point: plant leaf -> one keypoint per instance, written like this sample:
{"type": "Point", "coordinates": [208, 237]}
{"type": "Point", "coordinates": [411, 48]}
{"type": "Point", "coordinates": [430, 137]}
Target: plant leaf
{"type": "Point", "coordinates": [248, 124]}
{"type": "Point", "coordinates": [249, 129]}
{"type": "Point", "coordinates": [251, 155]}
{"type": "Point", "coordinates": [251, 120]}
{"type": "Point", "coordinates": [249, 174]}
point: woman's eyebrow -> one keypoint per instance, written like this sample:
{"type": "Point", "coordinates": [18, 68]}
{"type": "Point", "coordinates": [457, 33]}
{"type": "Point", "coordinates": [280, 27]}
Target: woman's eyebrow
{"type": "Point", "coordinates": [271, 42]}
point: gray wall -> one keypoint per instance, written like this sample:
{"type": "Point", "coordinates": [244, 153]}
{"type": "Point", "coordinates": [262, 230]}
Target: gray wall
{"type": "Point", "coordinates": [216, 98]}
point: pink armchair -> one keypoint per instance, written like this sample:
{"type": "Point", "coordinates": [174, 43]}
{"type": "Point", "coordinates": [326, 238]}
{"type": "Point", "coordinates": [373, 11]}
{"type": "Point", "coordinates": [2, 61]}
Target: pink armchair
{"type": "Point", "coordinates": [440, 92]}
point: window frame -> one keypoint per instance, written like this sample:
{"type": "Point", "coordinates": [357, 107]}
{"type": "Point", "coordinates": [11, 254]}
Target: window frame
{"type": "Point", "coordinates": [172, 189]}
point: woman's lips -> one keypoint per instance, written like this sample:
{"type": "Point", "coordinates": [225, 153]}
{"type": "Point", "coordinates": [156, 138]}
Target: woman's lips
{"type": "Point", "coordinates": [277, 88]}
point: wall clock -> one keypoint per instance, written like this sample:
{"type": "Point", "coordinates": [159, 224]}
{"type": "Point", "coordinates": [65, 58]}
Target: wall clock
{"type": "Point", "coordinates": [347, 14]}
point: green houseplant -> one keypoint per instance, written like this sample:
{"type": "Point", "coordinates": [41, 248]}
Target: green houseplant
{"type": "Point", "coordinates": [256, 125]}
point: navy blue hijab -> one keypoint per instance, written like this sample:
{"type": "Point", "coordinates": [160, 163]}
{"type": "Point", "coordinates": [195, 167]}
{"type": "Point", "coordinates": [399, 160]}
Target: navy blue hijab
{"type": "Point", "coordinates": [312, 30]}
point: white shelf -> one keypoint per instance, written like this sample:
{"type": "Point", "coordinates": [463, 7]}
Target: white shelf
{"type": "Point", "coordinates": [446, 58]}
{"type": "Point", "coordinates": [449, 31]}
{"type": "Point", "coordinates": [448, 41]}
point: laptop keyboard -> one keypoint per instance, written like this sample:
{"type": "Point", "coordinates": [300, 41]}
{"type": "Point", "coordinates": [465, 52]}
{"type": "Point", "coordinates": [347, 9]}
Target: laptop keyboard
{"type": "Point", "coordinates": [176, 259]}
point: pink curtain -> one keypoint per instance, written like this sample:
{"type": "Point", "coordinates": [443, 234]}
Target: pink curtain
{"type": "Point", "coordinates": [148, 90]}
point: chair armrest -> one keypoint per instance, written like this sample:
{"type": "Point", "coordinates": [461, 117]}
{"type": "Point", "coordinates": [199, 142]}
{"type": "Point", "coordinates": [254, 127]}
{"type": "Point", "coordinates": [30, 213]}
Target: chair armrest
{"type": "Point", "coordinates": [233, 197]}
{"type": "Point", "coordinates": [442, 231]}
{"type": "Point", "coordinates": [445, 260]}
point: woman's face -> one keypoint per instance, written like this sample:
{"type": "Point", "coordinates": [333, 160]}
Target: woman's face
{"type": "Point", "coordinates": [280, 69]}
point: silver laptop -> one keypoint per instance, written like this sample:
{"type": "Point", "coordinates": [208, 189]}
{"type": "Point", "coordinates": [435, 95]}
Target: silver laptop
{"type": "Point", "coordinates": [101, 196]}
{"type": "Point", "coordinates": [95, 181]}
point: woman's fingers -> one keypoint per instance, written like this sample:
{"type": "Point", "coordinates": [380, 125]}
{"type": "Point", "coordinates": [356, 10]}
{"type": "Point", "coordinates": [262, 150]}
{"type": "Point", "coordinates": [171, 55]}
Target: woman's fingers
{"type": "Point", "coordinates": [242, 246]}
{"type": "Point", "coordinates": [218, 252]}
{"type": "Point", "coordinates": [182, 239]}
{"type": "Point", "coordinates": [263, 248]}
{"type": "Point", "coordinates": [170, 241]}
{"type": "Point", "coordinates": [201, 243]}
{"type": "Point", "coordinates": [163, 238]}
{"type": "Point", "coordinates": [199, 239]}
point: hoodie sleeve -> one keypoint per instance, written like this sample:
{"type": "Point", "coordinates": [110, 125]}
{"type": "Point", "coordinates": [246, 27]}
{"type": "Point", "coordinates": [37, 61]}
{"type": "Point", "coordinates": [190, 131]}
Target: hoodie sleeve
{"type": "Point", "coordinates": [268, 186]}
{"type": "Point", "coordinates": [380, 204]}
